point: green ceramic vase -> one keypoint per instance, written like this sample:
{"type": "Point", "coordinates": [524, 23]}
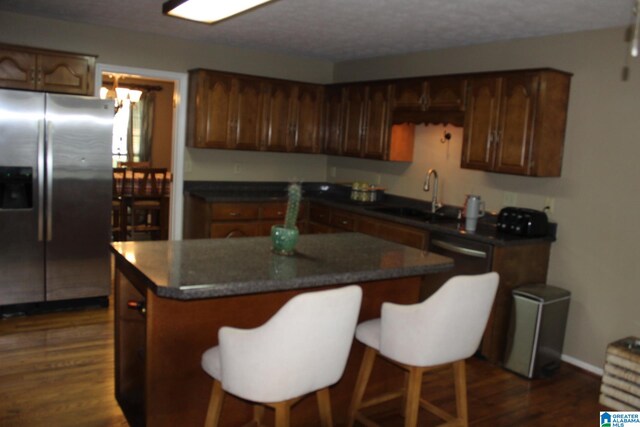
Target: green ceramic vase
{"type": "Point", "coordinates": [283, 240]}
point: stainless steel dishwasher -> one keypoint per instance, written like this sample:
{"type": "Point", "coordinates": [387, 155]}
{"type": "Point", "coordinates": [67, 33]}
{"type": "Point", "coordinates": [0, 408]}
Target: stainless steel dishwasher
{"type": "Point", "coordinates": [469, 257]}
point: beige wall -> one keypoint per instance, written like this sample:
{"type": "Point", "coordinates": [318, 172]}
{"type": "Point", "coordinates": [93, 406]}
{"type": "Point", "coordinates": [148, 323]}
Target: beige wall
{"type": "Point", "coordinates": [229, 165]}
{"type": "Point", "coordinates": [128, 48]}
{"type": "Point", "coordinates": [596, 200]}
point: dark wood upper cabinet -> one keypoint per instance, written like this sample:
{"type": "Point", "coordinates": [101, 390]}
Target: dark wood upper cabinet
{"type": "Point", "coordinates": [46, 71]}
{"type": "Point", "coordinates": [377, 123]}
{"type": "Point", "coordinates": [368, 131]}
{"type": "Point", "coordinates": [234, 111]}
{"type": "Point", "coordinates": [429, 94]}
{"type": "Point", "coordinates": [279, 128]}
{"type": "Point", "coordinates": [224, 111]}
{"type": "Point", "coordinates": [354, 119]}
{"type": "Point", "coordinates": [246, 108]}
{"type": "Point", "coordinates": [307, 118]}
{"type": "Point", "coordinates": [410, 95]}
{"type": "Point", "coordinates": [446, 93]}
{"type": "Point", "coordinates": [515, 123]}
{"type": "Point", "coordinates": [480, 123]}
{"type": "Point", "coordinates": [333, 119]}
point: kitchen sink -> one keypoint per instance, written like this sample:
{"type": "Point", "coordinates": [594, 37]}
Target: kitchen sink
{"type": "Point", "coordinates": [413, 213]}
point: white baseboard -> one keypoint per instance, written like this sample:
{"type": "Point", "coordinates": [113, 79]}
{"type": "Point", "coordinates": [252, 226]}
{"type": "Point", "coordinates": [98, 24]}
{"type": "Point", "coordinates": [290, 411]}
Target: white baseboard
{"type": "Point", "coordinates": [582, 365]}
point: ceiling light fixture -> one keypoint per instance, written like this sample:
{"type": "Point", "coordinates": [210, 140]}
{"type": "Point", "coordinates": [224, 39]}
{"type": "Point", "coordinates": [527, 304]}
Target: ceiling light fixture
{"type": "Point", "coordinates": [208, 11]}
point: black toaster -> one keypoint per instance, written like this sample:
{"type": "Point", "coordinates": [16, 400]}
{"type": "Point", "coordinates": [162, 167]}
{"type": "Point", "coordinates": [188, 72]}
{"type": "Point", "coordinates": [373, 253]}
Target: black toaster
{"type": "Point", "coordinates": [523, 222]}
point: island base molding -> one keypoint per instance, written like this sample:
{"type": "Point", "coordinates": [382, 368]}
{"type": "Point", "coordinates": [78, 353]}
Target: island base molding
{"type": "Point", "coordinates": [159, 343]}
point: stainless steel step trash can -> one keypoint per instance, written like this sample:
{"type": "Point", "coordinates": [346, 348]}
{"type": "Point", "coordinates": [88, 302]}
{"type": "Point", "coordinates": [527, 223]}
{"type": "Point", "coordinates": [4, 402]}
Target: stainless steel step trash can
{"type": "Point", "coordinates": [536, 332]}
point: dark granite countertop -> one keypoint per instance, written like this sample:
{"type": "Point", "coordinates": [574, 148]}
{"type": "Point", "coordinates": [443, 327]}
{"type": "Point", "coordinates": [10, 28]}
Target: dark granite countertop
{"type": "Point", "coordinates": [209, 268]}
{"type": "Point", "coordinates": [337, 196]}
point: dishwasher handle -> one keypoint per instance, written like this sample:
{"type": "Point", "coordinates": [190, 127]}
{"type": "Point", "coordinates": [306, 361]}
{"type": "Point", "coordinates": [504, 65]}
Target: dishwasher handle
{"type": "Point", "coordinates": [459, 249]}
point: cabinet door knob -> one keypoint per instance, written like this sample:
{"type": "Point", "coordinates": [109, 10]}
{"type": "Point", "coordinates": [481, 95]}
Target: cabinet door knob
{"type": "Point", "coordinates": [234, 213]}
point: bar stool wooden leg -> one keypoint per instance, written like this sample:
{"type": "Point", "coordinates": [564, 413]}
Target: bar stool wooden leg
{"type": "Point", "coordinates": [258, 413]}
{"type": "Point", "coordinates": [413, 397]}
{"type": "Point", "coordinates": [361, 383]}
{"type": "Point", "coordinates": [324, 406]}
{"type": "Point", "coordinates": [215, 405]}
{"type": "Point", "coordinates": [283, 413]}
{"type": "Point", "coordinates": [460, 382]}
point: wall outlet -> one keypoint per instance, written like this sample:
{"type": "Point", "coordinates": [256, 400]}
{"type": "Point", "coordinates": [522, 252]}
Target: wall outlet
{"type": "Point", "coordinates": [237, 168]}
{"type": "Point", "coordinates": [509, 198]}
{"type": "Point", "coordinates": [378, 179]}
{"type": "Point", "coordinates": [333, 171]}
{"type": "Point", "coordinates": [549, 205]}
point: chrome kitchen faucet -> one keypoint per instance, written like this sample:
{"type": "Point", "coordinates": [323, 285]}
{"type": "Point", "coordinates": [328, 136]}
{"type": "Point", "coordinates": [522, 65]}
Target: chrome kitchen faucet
{"type": "Point", "coordinates": [434, 200]}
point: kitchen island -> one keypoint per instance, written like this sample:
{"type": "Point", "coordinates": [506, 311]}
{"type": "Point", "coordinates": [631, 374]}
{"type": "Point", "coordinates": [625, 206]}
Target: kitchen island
{"type": "Point", "coordinates": [171, 297]}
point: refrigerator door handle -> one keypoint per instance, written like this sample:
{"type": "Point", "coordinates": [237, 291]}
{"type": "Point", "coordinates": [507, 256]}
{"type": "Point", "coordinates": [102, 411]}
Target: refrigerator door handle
{"type": "Point", "coordinates": [49, 163]}
{"type": "Point", "coordinates": [41, 174]}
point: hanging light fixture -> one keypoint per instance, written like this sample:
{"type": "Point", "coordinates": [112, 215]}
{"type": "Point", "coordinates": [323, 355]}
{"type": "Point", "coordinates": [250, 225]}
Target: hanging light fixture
{"type": "Point", "coordinates": [208, 11]}
{"type": "Point", "coordinates": [120, 95]}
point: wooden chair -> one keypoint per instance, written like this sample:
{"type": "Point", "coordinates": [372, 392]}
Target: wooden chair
{"type": "Point", "coordinates": [148, 194]}
{"type": "Point", "coordinates": [445, 329]}
{"type": "Point", "coordinates": [118, 205]}
{"type": "Point", "coordinates": [302, 349]}
{"type": "Point", "coordinates": [134, 164]}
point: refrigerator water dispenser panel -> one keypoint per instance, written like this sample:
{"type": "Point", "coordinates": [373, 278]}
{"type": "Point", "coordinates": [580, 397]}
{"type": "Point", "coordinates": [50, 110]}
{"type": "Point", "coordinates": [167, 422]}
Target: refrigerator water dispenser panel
{"type": "Point", "coordinates": [16, 188]}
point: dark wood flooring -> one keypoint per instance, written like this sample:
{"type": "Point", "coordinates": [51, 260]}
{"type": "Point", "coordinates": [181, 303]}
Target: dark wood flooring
{"type": "Point", "coordinates": [57, 370]}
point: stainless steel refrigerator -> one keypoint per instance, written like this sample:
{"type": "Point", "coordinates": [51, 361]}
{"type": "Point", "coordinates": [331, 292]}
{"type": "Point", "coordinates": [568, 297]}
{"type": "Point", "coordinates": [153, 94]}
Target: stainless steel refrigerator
{"type": "Point", "coordinates": [55, 197]}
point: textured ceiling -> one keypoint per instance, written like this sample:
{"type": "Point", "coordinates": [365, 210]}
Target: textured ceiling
{"type": "Point", "coordinates": [348, 29]}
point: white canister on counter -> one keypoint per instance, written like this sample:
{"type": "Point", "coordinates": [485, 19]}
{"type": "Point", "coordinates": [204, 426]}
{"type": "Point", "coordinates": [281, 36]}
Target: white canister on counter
{"type": "Point", "coordinates": [473, 209]}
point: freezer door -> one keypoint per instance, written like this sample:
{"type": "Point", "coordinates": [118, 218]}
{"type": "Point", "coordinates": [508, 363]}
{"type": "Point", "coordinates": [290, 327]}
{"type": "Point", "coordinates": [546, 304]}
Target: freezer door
{"type": "Point", "coordinates": [78, 196]}
{"type": "Point", "coordinates": [21, 210]}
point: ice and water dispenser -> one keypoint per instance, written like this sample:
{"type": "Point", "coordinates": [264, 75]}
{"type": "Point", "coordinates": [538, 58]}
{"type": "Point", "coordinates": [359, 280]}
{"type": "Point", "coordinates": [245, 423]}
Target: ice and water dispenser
{"type": "Point", "coordinates": [16, 187]}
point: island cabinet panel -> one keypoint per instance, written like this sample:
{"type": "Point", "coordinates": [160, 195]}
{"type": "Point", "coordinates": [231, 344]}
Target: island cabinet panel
{"type": "Point", "coordinates": [46, 71]}
{"type": "Point", "coordinates": [159, 380]}
{"type": "Point", "coordinates": [515, 123]}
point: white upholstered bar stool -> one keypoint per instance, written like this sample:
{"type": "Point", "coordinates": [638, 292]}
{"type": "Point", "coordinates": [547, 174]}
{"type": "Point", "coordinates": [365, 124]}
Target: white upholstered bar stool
{"type": "Point", "coordinates": [444, 329]}
{"type": "Point", "coordinates": [302, 349]}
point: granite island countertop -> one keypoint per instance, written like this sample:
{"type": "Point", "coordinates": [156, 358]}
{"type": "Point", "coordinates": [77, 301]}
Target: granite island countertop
{"type": "Point", "coordinates": [210, 268]}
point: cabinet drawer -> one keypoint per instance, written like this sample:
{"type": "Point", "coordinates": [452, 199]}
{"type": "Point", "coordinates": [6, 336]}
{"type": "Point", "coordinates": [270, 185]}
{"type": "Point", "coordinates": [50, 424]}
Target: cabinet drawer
{"type": "Point", "coordinates": [275, 210]}
{"type": "Point", "coordinates": [234, 211]}
{"type": "Point", "coordinates": [320, 214]}
{"type": "Point", "coordinates": [343, 220]}
{"type": "Point", "coordinates": [234, 229]}
{"type": "Point", "coordinates": [404, 235]}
